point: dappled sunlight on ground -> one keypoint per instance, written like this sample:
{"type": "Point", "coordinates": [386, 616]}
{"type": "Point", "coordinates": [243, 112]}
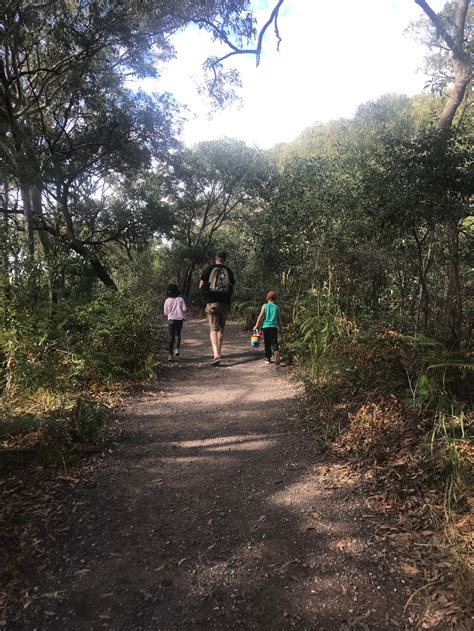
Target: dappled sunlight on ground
{"type": "Point", "coordinates": [211, 513]}
{"type": "Point", "coordinates": [262, 441]}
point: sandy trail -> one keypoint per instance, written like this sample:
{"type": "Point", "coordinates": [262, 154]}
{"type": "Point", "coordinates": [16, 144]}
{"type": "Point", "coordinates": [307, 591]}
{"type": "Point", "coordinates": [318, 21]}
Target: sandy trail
{"type": "Point", "coordinates": [213, 511]}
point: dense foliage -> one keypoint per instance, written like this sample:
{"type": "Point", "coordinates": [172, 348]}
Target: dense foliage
{"type": "Point", "coordinates": [363, 226]}
{"type": "Point", "coordinates": [92, 176]}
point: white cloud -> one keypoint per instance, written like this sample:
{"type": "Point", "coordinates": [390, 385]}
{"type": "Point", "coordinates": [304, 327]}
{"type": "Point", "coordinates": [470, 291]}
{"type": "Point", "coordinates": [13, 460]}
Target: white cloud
{"type": "Point", "coordinates": [334, 56]}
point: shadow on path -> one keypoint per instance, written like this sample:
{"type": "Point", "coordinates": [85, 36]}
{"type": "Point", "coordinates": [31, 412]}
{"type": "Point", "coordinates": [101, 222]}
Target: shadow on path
{"type": "Point", "coordinates": [211, 513]}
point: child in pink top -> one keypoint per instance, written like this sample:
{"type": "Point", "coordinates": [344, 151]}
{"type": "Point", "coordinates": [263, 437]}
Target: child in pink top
{"type": "Point", "coordinates": [175, 308]}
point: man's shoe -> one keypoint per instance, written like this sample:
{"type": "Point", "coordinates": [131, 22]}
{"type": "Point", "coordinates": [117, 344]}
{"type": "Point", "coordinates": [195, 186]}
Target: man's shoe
{"type": "Point", "coordinates": [268, 361]}
{"type": "Point", "coordinates": [176, 353]}
{"type": "Point", "coordinates": [170, 357]}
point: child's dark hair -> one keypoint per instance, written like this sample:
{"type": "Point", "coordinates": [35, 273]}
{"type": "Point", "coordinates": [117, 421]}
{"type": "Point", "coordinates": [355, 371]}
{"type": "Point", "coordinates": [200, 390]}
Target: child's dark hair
{"type": "Point", "coordinates": [172, 291]}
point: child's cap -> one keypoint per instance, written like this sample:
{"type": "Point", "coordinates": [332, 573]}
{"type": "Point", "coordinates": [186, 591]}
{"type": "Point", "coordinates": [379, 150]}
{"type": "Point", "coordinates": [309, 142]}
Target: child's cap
{"type": "Point", "coordinates": [271, 294]}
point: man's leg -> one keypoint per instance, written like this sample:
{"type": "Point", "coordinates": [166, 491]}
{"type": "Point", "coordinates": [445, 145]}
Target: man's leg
{"type": "Point", "coordinates": [212, 320]}
{"type": "Point", "coordinates": [222, 320]}
{"type": "Point", "coordinates": [214, 335]}
{"type": "Point", "coordinates": [220, 339]}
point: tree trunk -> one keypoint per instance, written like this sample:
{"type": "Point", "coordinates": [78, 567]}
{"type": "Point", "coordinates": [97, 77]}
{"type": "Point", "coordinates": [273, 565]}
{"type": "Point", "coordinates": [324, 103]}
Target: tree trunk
{"type": "Point", "coordinates": [463, 75]}
{"type": "Point", "coordinates": [77, 246]}
{"type": "Point", "coordinates": [462, 65]}
{"type": "Point", "coordinates": [45, 240]}
{"type": "Point", "coordinates": [28, 215]}
{"type": "Point", "coordinates": [424, 264]}
{"type": "Point", "coordinates": [94, 261]}
{"type": "Point", "coordinates": [454, 298]}
{"type": "Point", "coordinates": [5, 263]}
{"type": "Point", "coordinates": [188, 279]}
{"type": "Point", "coordinates": [37, 211]}
{"type": "Point", "coordinates": [401, 291]}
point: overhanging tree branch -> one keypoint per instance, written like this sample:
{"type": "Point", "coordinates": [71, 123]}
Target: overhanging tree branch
{"type": "Point", "coordinates": [461, 58]}
{"type": "Point", "coordinates": [77, 246]}
{"type": "Point", "coordinates": [223, 36]}
{"type": "Point", "coordinates": [454, 44]}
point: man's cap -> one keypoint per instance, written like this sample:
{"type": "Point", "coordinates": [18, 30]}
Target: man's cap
{"type": "Point", "coordinates": [220, 254]}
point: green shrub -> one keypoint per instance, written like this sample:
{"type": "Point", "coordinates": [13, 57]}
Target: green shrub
{"type": "Point", "coordinates": [73, 419]}
{"type": "Point", "coordinates": [246, 311]}
{"type": "Point", "coordinates": [19, 426]}
{"type": "Point", "coordinates": [316, 327]}
{"type": "Point", "coordinates": [111, 338]}
{"type": "Point", "coordinates": [87, 419]}
{"type": "Point", "coordinates": [437, 378]}
{"type": "Point", "coordinates": [50, 362]}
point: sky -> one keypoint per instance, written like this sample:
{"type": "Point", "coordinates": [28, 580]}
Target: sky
{"type": "Point", "coordinates": [334, 55]}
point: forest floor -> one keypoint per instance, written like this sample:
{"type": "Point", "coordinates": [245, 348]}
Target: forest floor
{"type": "Point", "coordinates": [210, 507]}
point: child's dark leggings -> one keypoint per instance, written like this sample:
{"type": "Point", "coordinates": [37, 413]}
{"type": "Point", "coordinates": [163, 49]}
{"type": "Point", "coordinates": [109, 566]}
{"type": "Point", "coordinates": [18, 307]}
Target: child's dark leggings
{"type": "Point", "coordinates": [270, 337]}
{"type": "Point", "coordinates": [174, 330]}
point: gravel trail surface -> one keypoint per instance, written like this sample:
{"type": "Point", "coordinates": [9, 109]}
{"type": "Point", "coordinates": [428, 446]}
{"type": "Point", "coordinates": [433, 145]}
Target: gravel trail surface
{"type": "Point", "coordinates": [212, 509]}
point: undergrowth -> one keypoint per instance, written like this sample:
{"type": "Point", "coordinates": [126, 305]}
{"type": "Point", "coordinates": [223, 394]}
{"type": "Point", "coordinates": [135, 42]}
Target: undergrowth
{"type": "Point", "coordinates": [56, 369]}
{"type": "Point", "coordinates": [404, 403]}
{"type": "Point", "coordinates": [245, 311]}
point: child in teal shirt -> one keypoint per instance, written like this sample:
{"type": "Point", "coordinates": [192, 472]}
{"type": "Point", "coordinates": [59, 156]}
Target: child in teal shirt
{"type": "Point", "coordinates": [269, 316]}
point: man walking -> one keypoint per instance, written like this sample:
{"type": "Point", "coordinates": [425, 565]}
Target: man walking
{"type": "Point", "coordinates": [217, 281]}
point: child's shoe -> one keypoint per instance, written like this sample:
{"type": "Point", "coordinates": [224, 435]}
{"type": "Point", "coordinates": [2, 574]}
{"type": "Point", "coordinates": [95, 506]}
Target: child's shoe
{"type": "Point", "coordinates": [176, 353]}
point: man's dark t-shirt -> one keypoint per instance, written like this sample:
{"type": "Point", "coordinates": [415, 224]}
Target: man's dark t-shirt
{"type": "Point", "coordinates": [217, 296]}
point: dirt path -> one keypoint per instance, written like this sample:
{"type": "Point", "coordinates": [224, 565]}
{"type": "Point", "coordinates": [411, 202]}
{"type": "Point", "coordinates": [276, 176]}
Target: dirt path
{"type": "Point", "coordinates": [213, 511]}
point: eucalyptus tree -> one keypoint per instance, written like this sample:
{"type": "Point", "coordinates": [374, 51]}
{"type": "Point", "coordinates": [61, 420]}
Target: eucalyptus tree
{"type": "Point", "coordinates": [411, 186]}
{"type": "Point", "coordinates": [321, 231]}
{"type": "Point", "coordinates": [360, 205]}
{"type": "Point", "coordinates": [211, 184]}
{"type": "Point", "coordinates": [450, 34]}
{"type": "Point", "coordinates": [65, 113]}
